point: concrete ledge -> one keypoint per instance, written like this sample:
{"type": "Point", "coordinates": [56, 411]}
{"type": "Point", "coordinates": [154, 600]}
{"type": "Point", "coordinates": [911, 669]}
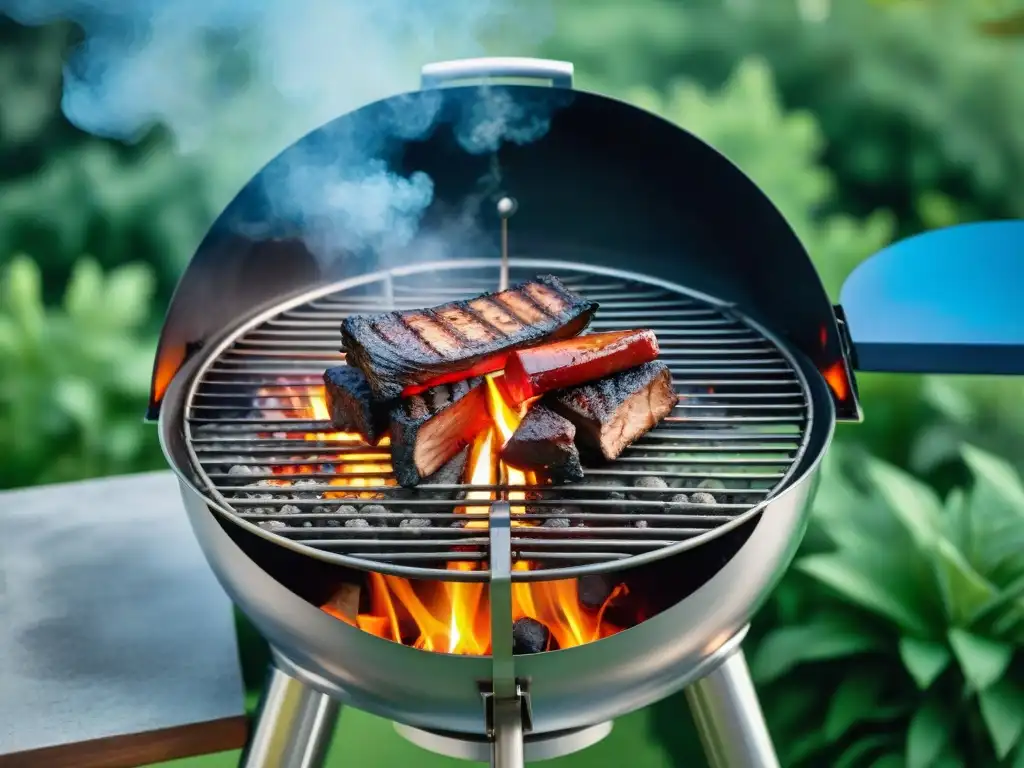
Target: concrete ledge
{"type": "Point", "coordinates": [117, 644]}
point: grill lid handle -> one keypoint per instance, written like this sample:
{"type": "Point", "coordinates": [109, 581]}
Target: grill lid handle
{"type": "Point", "coordinates": [441, 73]}
{"type": "Point", "coordinates": [947, 301]}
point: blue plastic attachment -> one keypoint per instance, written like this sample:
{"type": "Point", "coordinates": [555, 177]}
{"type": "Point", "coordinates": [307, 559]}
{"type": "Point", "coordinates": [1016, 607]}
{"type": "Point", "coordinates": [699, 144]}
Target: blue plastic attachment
{"type": "Point", "coordinates": [948, 301]}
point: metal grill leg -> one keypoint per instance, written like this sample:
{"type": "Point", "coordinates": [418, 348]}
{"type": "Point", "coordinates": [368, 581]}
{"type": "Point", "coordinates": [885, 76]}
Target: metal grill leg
{"type": "Point", "coordinates": [729, 718]}
{"type": "Point", "coordinates": [293, 726]}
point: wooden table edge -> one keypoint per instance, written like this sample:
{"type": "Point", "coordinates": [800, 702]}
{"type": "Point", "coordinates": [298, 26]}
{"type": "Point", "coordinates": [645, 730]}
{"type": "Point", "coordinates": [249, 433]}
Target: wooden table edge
{"type": "Point", "coordinates": [137, 749]}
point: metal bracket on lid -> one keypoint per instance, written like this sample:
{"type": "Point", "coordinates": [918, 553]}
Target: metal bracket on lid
{"type": "Point", "coordinates": [507, 703]}
{"type": "Point", "coordinates": [435, 75]}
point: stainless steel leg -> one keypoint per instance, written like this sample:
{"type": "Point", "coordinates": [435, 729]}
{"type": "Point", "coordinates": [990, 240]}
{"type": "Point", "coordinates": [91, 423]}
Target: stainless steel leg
{"type": "Point", "coordinates": [507, 747]}
{"type": "Point", "coordinates": [729, 718]}
{"type": "Point", "coordinates": [293, 726]}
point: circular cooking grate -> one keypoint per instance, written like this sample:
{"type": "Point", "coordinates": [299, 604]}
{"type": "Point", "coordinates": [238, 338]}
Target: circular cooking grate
{"type": "Point", "coordinates": [265, 455]}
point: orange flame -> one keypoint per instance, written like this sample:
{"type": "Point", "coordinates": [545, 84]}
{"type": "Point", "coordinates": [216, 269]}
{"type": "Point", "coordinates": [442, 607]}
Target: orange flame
{"type": "Point", "coordinates": [835, 375]}
{"type": "Point", "coordinates": [442, 616]}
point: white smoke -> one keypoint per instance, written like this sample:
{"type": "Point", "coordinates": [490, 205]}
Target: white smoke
{"type": "Point", "coordinates": [236, 81]}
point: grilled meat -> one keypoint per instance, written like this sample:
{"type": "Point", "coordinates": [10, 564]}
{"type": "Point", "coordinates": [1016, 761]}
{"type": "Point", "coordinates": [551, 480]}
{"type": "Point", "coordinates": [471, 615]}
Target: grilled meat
{"type": "Point", "coordinates": [543, 442]}
{"type": "Point", "coordinates": [612, 412]}
{"type": "Point", "coordinates": [562, 364]}
{"type": "Point", "coordinates": [404, 353]}
{"type": "Point", "coordinates": [351, 403]}
{"type": "Point", "coordinates": [428, 429]}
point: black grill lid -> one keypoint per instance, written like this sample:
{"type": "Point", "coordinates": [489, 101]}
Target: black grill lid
{"type": "Point", "coordinates": [601, 183]}
{"type": "Point", "coordinates": [607, 184]}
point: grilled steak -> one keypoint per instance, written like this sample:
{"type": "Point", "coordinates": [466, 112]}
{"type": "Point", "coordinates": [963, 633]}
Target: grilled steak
{"type": "Point", "coordinates": [612, 412]}
{"type": "Point", "coordinates": [567, 363]}
{"type": "Point", "coordinates": [543, 442]}
{"type": "Point", "coordinates": [351, 403]}
{"type": "Point", "coordinates": [404, 353]}
{"type": "Point", "coordinates": [428, 429]}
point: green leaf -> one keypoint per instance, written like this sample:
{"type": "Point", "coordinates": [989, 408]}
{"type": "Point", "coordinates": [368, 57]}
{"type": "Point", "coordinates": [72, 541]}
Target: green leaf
{"type": "Point", "coordinates": [924, 660]}
{"type": "Point", "coordinates": [83, 297]}
{"type": "Point", "coordinates": [1008, 598]}
{"type": "Point", "coordinates": [1002, 709]}
{"type": "Point", "coordinates": [787, 647]}
{"type": "Point", "coordinates": [864, 589]}
{"type": "Point", "coordinates": [851, 703]}
{"type": "Point", "coordinates": [913, 503]}
{"type": "Point", "coordinates": [855, 754]}
{"type": "Point", "coordinates": [983, 661]}
{"type": "Point", "coordinates": [929, 732]}
{"type": "Point", "coordinates": [964, 591]}
{"type": "Point", "coordinates": [22, 296]}
{"type": "Point", "coordinates": [888, 761]}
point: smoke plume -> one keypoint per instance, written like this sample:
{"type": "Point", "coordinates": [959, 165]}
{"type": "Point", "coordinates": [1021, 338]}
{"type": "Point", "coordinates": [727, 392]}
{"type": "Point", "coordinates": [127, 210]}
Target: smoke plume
{"type": "Point", "coordinates": [236, 81]}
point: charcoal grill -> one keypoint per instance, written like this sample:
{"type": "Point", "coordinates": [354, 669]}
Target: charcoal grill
{"type": "Point", "coordinates": [762, 364]}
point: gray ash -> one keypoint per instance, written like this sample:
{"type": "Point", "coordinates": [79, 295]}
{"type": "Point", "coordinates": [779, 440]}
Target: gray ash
{"type": "Point", "coordinates": [415, 522]}
{"type": "Point", "coordinates": [639, 524]}
{"type": "Point", "coordinates": [272, 525]}
{"type": "Point", "coordinates": [290, 509]}
{"type": "Point", "coordinates": [241, 469]}
{"type": "Point", "coordinates": [529, 636]}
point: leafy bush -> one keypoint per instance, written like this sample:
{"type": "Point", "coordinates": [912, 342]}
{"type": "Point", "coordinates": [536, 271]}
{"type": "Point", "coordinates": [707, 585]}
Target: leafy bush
{"type": "Point", "coordinates": [901, 635]}
{"type": "Point", "coordinates": [912, 99]}
{"type": "Point", "coordinates": [74, 380]}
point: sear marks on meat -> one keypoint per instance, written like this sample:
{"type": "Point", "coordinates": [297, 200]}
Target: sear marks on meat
{"type": "Point", "coordinates": [409, 351]}
{"type": "Point", "coordinates": [544, 442]}
{"type": "Point", "coordinates": [429, 429]}
{"type": "Point", "coordinates": [612, 412]}
{"type": "Point", "coordinates": [567, 363]}
{"type": "Point", "coordinates": [351, 403]}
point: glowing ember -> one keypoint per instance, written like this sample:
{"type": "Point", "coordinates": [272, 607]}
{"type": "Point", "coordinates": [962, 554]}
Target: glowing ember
{"type": "Point", "coordinates": [441, 616]}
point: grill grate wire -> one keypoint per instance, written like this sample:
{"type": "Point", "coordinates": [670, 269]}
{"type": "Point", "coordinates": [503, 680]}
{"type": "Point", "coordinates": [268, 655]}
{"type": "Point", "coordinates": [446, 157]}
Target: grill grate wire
{"type": "Point", "coordinates": [731, 442]}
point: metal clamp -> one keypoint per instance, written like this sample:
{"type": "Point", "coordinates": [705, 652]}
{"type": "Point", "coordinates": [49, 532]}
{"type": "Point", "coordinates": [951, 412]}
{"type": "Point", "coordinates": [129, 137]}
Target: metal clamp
{"type": "Point", "coordinates": [507, 703]}
{"type": "Point", "coordinates": [435, 75]}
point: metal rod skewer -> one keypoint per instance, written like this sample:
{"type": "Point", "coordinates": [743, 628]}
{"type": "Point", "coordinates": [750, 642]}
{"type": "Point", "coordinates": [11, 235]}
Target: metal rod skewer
{"type": "Point", "coordinates": [506, 209]}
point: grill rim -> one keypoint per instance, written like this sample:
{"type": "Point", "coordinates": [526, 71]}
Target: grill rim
{"type": "Point", "coordinates": [208, 357]}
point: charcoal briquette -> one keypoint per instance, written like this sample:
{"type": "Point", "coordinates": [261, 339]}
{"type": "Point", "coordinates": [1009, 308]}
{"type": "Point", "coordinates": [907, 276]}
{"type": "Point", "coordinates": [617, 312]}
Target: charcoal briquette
{"type": "Point", "coordinates": [272, 525]}
{"type": "Point", "coordinates": [378, 515]}
{"type": "Point", "coordinates": [240, 469]}
{"type": "Point", "coordinates": [678, 503]}
{"type": "Point", "coordinates": [593, 589]}
{"type": "Point", "coordinates": [356, 522]}
{"type": "Point", "coordinates": [290, 509]}
{"type": "Point", "coordinates": [346, 509]}
{"type": "Point", "coordinates": [415, 522]}
{"type": "Point", "coordinates": [702, 497]}
{"type": "Point", "coordinates": [556, 522]}
{"type": "Point", "coordinates": [305, 494]}
{"type": "Point", "coordinates": [711, 484]}
{"type": "Point", "coordinates": [648, 481]}
{"type": "Point", "coordinates": [458, 524]}
{"type": "Point", "coordinates": [529, 636]}
{"type": "Point", "coordinates": [639, 524]}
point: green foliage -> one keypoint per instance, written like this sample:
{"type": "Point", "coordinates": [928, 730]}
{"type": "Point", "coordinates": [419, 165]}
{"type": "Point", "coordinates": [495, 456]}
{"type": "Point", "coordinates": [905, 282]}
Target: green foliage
{"type": "Point", "coordinates": [74, 380]}
{"type": "Point", "coordinates": [902, 634]}
{"type": "Point", "coordinates": [912, 100]}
